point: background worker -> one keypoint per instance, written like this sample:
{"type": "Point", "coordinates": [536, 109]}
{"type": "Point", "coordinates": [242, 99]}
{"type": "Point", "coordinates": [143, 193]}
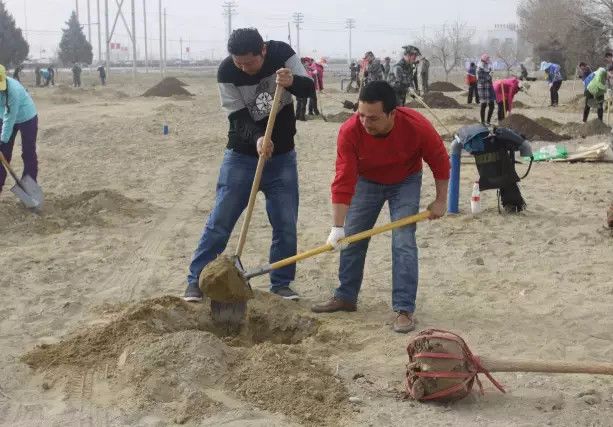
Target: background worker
{"type": "Point", "coordinates": [247, 80]}
{"type": "Point", "coordinates": [379, 159]}
{"type": "Point", "coordinates": [554, 77]}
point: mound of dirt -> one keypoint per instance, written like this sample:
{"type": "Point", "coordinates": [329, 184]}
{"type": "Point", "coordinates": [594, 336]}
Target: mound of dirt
{"type": "Point", "coordinates": [222, 281]}
{"type": "Point", "coordinates": [549, 123]}
{"type": "Point", "coordinates": [90, 208]}
{"type": "Point", "coordinates": [165, 356]}
{"type": "Point", "coordinates": [341, 117]}
{"type": "Point", "coordinates": [444, 87]}
{"type": "Point", "coordinates": [437, 100]}
{"type": "Point", "coordinates": [583, 130]}
{"type": "Point", "coordinates": [530, 128]}
{"type": "Point", "coordinates": [168, 87]}
{"type": "Point", "coordinates": [284, 379]}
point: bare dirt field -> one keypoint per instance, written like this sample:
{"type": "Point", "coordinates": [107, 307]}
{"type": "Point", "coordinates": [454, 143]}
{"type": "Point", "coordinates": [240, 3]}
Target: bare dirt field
{"type": "Point", "coordinates": [92, 332]}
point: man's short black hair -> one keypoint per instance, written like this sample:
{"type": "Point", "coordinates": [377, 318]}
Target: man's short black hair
{"type": "Point", "coordinates": [608, 54]}
{"type": "Point", "coordinates": [379, 91]}
{"type": "Point", "coordinates": [582, 64]}
{"type": "Point", "coordinates": [244, 41]}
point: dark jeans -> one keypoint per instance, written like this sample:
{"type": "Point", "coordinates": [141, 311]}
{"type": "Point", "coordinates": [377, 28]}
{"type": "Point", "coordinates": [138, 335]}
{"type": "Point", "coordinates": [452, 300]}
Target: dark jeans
{"type": "Point", "coordinates": [280, 187]}
{"type": "Point", "coordinates": [590, 99]}
{"type": "Point", "coordinates": [401, 98]}
{"type": "Point", "coordinates": [490, 111]}
{"type": "Point", "coordinates": [29, 132]}
{"type": "Point", "coordinates": [103, 80]}
{"type": "Point", "coordinates": [501, 110]}
{"type": "Point", "coordinates": [424, 83]}
{"type": "Point", "coordinates": [403, 201]}
{"type": "Point", "coordinates": [301, 106]}
{"type": "Point", "coordinates": [472, 91]}
{"type": "Point", "coordinates": [76, 81]}
{"type": "Point", "coordinates": [313, 103]}
{"type": "Point", "coordinates": [553, 90]}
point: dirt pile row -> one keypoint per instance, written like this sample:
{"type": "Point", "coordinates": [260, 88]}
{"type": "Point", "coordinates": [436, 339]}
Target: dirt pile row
{"type": "Point", "coordinates": [436, 100]}
{"type": "Point", "coordinates": [531, 129]}
{"type": "Point", "coordinates": [444, 87]}
{"type": "Point", "coordinates": [170, 86]}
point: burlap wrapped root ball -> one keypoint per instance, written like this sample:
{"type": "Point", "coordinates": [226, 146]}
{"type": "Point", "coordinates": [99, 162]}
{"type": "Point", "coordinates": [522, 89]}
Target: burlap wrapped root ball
{"type": "Point", "coordinates": [222, 281]}
{"type": "Point", "coordinates": [442, 368]}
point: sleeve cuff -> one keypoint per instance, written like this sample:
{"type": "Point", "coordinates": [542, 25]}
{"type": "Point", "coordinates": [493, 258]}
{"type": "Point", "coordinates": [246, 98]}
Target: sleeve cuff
{"type": "Point", "coordinates": [342, 198]}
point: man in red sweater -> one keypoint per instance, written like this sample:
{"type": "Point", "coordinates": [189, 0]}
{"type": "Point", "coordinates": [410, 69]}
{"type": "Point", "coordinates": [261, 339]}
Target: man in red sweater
{"type": "Point", "coordinates": [379, 159]}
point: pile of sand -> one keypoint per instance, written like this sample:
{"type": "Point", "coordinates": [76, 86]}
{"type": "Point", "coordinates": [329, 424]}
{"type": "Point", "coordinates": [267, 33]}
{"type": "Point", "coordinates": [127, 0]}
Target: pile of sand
{"type": "Point", "coordinates": [444, 87]}
{"type": "Point", "coordinates": [165, 356]}
{"type": "Point", "coordinates": [341, 117]}
{"type": "Point", "coordinates": [583, 130]}
{"type": "Point", "coordinates": [530, 128]}
{"type": "Point", "coordinates": [436, 100]}
{"type": "Point", "coordinates": [91, 208]}
{"type": "Point", "coordinates": [168, 87]}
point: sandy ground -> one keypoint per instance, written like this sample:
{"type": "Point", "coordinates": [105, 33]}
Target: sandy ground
{"type": "Point", "coordinates": [126, 206]}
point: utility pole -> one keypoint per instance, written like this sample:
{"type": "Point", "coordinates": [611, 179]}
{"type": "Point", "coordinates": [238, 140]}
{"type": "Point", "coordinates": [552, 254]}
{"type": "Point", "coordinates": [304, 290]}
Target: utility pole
{"type": "Point", "coordinates": [133, 40]}
{"type": "Point", "coordinates": [145, 26]}
{"type": "Point", "coordinates": [161, 37]}
{"type": "Point", "coordinates": [229, 11]}
{"type": "Point", "coordinates": [89, 23]}
{"type": "Point", "coordinates": [298, 19]}
{"type": "Point", "coordinates": [350, 25]}
{"type": "Point", "coordinates": [165, 41]}
{"type": "Point", "coordinates": [77, 9]}
{"type": "Point", "coordinates": [107, 37]}
{"type": "Point", "coordinates": [99, 32]}
{"type": "Point", "coordinates": [25, 15]}
{"type": "Point", "coordinates": [289, 34]}
{"type": "Point", "coordinates": [181, 47]}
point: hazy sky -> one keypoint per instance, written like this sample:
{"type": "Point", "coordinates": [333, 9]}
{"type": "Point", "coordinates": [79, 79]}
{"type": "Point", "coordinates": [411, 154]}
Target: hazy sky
{"type": "Point", "coordinates": [382, 26]}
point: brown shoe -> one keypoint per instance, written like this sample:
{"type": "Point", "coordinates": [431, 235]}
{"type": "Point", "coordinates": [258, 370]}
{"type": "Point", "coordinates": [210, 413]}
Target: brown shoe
{"type": "Point", "coordinates": [404, 322]}
{"type": "Point", "coordinates": [332, 305]}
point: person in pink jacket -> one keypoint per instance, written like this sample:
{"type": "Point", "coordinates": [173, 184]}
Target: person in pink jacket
{"type": "Point", "coordinates": [510, 86]}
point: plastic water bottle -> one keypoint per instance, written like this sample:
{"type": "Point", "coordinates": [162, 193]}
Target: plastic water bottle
{"type": "Point", "coordinates": [475, 199]}
{"type": "Point", "coordinates": [165, 129]}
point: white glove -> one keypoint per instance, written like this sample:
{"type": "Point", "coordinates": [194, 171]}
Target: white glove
{"type": "Point", "coordinates": [336, 234]}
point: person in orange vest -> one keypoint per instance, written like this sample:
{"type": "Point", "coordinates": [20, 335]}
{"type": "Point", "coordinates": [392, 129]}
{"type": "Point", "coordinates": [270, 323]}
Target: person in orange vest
{"type": "Point", "coordinates": [471, 81]}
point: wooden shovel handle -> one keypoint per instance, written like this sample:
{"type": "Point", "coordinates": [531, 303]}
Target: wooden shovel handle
{"type": "Point", "coordinates": [440, 122]}
{"type": "Point", "coordinates": [7, 166]}
{"type": "Point", "coordinates": [351, 239]}
{"type": "Point", "coordinates": [554, 366]}
{"type": "Point", "coordinates": [255, 187]}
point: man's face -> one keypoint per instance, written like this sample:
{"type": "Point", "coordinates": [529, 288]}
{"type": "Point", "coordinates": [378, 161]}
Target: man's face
{"type": "Point", "coordinates": [582, 68]}
{"type": "Point", "coordinates": [410, 58]}
{"type": "Point", "coordinates": [374, 119]}
{"type": "Point", "coordinates": [250, 64]}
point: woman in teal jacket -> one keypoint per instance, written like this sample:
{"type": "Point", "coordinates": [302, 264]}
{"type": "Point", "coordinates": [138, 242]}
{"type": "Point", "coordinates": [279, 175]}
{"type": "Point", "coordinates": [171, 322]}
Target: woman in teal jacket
{"type": "Point", "coordinates": [18, 115]}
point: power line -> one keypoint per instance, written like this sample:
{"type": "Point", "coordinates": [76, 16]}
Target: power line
{"type": "Point", "coordinates": [298, 19]}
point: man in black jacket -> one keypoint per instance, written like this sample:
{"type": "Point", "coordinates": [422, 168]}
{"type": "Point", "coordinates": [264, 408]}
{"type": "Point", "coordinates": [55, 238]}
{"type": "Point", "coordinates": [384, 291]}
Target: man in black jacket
{"type": "Point", "coordinates": [247, 80]}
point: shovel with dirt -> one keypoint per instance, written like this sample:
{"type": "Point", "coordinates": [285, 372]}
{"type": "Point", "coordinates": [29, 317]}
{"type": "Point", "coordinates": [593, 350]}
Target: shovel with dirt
{"type": "Point", "coordinates": [225, 281]}
{"type": "Point", "coordinates": [26, 189]}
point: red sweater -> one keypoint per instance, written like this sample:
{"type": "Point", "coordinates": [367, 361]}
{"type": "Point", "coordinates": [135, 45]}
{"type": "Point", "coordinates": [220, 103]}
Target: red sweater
{"type": "Point", "coordinates": [387, 160]}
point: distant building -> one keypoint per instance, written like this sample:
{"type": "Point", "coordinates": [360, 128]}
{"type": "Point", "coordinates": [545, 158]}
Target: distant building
{"type": "Point", "coordinates": [501, 34]}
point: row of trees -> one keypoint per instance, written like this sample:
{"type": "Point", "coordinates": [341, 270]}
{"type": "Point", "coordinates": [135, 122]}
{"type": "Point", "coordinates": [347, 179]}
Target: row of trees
{"type": "Point", "coordinates": [567, 31]}
{"type": "Point", "coordinates": [14, 48]}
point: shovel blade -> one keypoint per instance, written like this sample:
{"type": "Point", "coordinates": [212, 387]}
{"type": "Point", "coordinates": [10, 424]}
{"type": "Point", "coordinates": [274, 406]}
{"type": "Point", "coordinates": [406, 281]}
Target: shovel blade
{"type": "Point", "coordinates": [228, 315]}
{"type": "Point", "coordinates": [29, 192]}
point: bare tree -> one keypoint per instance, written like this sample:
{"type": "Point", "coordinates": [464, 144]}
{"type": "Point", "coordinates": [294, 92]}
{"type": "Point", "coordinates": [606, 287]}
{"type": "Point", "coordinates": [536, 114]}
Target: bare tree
{"type": "Point", "coordinates": [450, 44]}
{"type": "Point", "coordinates": [508, 53]}
{"type": "Point", "coordinates": [602, 10]}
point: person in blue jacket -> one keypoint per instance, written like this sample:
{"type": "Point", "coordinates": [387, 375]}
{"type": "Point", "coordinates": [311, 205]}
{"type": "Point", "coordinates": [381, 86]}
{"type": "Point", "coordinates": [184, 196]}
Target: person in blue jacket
{"type": "Point", "coordinates": [18, 115]}
{"type": "Point", "coordinates": [554, 77]}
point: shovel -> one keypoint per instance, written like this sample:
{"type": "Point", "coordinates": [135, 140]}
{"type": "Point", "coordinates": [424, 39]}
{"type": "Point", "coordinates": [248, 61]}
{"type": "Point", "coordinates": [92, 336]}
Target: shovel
{"type": "Point", "coordinates": [233, 313]}
{"type": "Point", "coordinates": [419, 99]}
{"type": "Point", "coordinates": [328, 248]}
{"type": "Point", "coordinates": [26, 189]}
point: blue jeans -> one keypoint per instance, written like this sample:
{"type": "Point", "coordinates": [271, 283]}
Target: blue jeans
{"type": "Point", "coordinates": [280, 186]}
{"type": "Point", "coordinates": [403, 200]}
